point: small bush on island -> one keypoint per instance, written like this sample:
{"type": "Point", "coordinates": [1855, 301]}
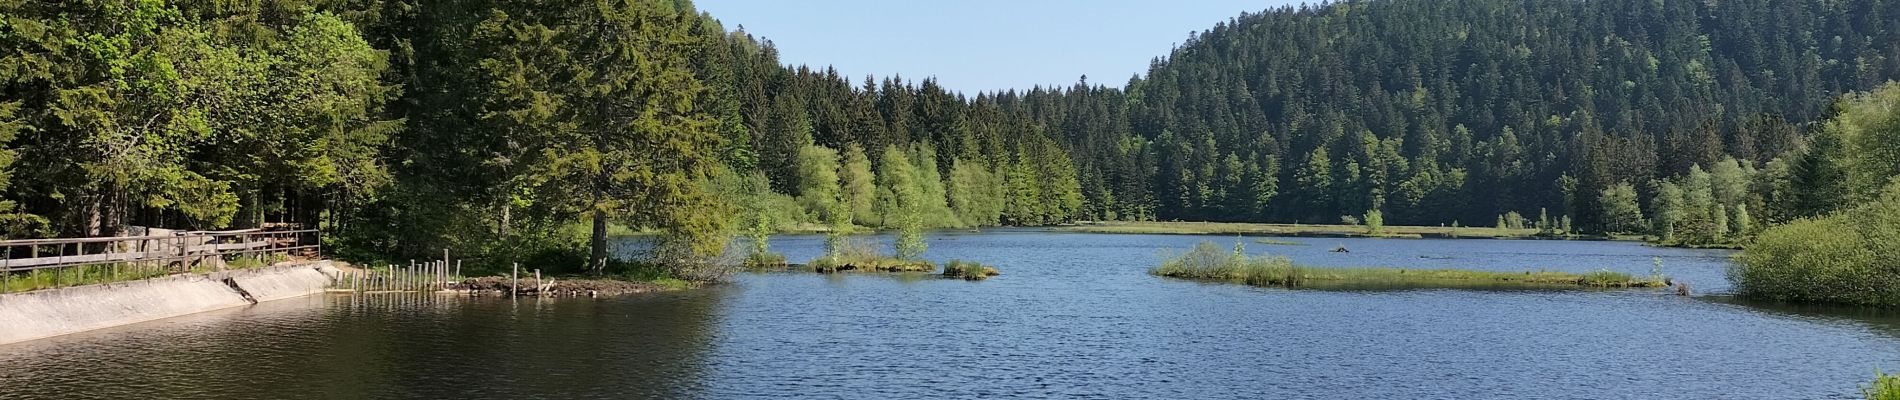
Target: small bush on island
{"type": "Point", "coordinates": [968, 270]}
{"type": "Point", "coordinates": [1375, 222]}
{"type": "Point", "coordinates": [1210, 262]}
{"type": "Point", "coordinates": [1849, 257]}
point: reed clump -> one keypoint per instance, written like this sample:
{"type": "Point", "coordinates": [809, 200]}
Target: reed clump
{"type": "Point", "coordinates": [1884, 387]}
{"type": "Point", "coordinates": [968, 270]}
{"type": "Point", "coordinates": [1208, 261]}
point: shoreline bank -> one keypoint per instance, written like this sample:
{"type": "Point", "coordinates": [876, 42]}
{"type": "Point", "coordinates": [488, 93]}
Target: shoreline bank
{"type": "Point", "coordinates": [48, 313]}
{"type": "Point", "coordinates": [1323, 231]}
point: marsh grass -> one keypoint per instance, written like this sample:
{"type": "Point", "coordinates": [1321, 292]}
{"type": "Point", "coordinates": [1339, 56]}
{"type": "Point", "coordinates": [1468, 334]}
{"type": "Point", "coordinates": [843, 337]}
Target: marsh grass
{"type": "Point", "coordinates": [968, 270]}
{"type": "Point", "coordinates": [764, 260]}
{"type": "Point", "coordinates": [1884, 387]}
{"type": "Point", "coordinates": [1208, 261]}
{"type": "Point", "coordinates": [1306, 230]}
{"type": "Point", "coordinates": [248, 262]}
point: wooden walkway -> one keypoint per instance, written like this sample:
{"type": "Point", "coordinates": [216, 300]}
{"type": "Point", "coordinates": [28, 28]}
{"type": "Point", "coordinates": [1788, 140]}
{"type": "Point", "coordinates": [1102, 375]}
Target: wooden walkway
{"type": "Point", "coordinates": [184, 248]}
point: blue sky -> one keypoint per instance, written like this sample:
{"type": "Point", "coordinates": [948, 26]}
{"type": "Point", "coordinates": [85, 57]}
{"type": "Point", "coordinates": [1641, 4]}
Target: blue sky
{"type": "Point", "coordinates": [979, 45]}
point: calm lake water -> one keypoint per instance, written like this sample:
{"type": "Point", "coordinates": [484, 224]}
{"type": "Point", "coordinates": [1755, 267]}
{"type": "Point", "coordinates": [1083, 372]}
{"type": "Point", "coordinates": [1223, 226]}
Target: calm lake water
{"type": "Point", "coordinates": [1074, 315]}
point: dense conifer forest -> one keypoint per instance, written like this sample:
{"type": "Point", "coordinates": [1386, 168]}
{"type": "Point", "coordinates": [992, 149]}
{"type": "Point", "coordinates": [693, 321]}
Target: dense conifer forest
{"type": "Point", "coordinates": [497, 126]}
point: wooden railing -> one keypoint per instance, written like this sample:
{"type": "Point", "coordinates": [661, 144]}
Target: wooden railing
{"type": "Point", "coordinates": [161, 254]}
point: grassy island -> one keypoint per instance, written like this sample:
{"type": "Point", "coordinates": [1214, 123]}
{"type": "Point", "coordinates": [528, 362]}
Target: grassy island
{"type": "Point", "coordinates": [1210, 262]}
{"type": "Point", "coordinates": [968, 270]}
{"type": "Point", "coordinates": [853, 256]}
{"type": "Point", "coordinates": [1297, 230]}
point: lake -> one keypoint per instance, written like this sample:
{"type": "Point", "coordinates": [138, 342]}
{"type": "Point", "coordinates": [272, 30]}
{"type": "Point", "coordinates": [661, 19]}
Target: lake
{"type": "Point", "coordinates": [1072, 316]}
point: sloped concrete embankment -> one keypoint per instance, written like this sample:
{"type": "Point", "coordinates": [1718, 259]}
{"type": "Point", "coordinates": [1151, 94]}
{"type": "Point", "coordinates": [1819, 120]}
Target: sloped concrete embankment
{"type": "Point", "coordinates": [46, 313]}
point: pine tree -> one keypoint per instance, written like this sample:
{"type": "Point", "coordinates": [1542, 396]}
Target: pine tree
{"type": "Point", "coordinates": [1315, 181]}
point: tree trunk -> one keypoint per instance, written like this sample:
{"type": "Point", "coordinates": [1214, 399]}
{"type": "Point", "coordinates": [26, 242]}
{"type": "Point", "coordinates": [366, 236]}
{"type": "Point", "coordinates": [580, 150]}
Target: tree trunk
{"type": "Point", "coordinates": [507, 217]}
{"type": "Point", "coordinates": [598, 262]}
{"type": "Point", "coordinates": [94, 215]}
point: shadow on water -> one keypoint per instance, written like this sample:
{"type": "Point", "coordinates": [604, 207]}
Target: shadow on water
{"type": "Point", "coordinates": [1883, 320]}
{"type": "Point", "coordinates": [1436, 285]}
{"type": "Point", "coordinates": [388, 346]}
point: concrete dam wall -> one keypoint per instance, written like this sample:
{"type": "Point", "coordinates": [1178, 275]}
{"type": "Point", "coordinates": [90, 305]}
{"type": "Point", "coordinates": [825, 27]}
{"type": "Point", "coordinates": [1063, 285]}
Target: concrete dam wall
{"type": "Point", "coordinates": [46, 313]}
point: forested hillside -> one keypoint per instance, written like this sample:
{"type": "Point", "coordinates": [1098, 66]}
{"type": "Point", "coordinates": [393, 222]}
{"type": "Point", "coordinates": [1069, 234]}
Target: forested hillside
{"type": "Point", "coordinates": [407, 126]}
{"type": "Point", "coordinates": [1438, 111]}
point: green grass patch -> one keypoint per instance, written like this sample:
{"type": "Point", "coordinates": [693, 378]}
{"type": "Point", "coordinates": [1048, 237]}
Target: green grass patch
{"type": "Point", "coordinates": [247, 262]}
{"type": "Point", "coordinates": [870, 264]}
{"type": "Point", "coordinates": [969, 270]}
{"type": "Point", "coordinates": [82, 275]}
{"type": "Point", "coordinates": [119, 272]}
{"type": "Point", "coordinates": [1277, 242]}
{"type": "Point", "coordinates": [1210, 262]}
{"type": "Point", "coordinates": [765, 260]}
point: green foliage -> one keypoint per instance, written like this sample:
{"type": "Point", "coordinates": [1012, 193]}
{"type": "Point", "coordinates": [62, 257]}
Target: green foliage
{"type": "Point", "coordinates": [1209, 261]}
{"type": "Point", "coordinates": [487, 127]}
{"type": "Point", "coordinates": [1375, 222]}
{"type": "Point", "coordinates": [1621, 212]}
{"type": "Point", "coordinates": [1884, 387]}
{"type": "Point", "coordinates": [1668, 207]}
{"type": "Point", "coordinates": [605, 94]}
{"type": "Point", "coordinates": [976, 194]}
{"type": "Point", "coordinates": [1706, 208]}
{"type": "Point", "coordinates": [87, 275]}
{"type": "Point", "coordinates": [764, 259]}
{"type": "Point", "coordinates": [244, 262]}
{"type": "Point", "coordinates": [817, 177]}
{"type": "Point", "coordinates": [761, 212]}
{"type": "Point", "coordinates": [1869, 129]}
{"type": "Point", "coordinates": [1846, 257]}
{"type": "Point", "coordinates": [1510, 220]}
{"type": "Point", "coordinates": [968, 270]}
{"type": "Point", "coordinates": [859, 186]}
{"type": "Point", "coordinates": [146, 111]}
{"type": "Point", "coordinates": [902, 202]}
{"type": "Point", "coordinates": [858, 255]}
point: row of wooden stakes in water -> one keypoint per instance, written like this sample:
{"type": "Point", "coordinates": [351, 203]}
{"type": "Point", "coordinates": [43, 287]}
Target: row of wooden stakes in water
{"type": "Point", "coordinates": [427, 276]}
